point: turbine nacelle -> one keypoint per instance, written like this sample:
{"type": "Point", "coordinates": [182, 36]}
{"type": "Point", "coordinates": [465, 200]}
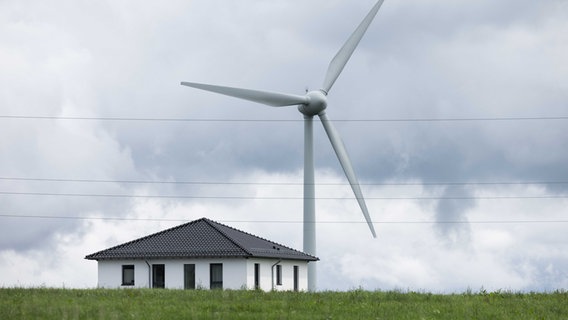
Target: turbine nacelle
{"type": "Point", "coordinates": [316, 103]}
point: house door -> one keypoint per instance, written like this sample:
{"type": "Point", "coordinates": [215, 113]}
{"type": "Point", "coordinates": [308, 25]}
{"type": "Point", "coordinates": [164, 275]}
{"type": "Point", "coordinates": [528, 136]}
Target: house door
{"type": "Point", "coordinates": [189, 276]}
{"type": "Point", "coordinates": [158, 276]}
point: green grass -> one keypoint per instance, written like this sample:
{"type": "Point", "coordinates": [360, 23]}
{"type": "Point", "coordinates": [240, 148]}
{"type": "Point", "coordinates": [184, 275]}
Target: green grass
{"type": "Point", "coordinates": [43, 303]}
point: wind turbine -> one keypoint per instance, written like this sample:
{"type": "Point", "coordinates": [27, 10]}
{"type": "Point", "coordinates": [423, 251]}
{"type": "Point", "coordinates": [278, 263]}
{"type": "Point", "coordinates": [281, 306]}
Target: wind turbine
{"type": "Point", "coordinates": [311, 104]}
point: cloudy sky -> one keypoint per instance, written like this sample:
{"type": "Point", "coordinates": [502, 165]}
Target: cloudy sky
{"type": "Point", "coordinates": [454, 114]}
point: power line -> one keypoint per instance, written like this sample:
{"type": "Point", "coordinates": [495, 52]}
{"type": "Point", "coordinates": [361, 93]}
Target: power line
{"type": "Point", "coordinates": [23, 117]}
{"type": "Point", "coordinates": [274, 198]}
{"type": "Point", "coordinates": [285, 221]}
{"type": "Point", "coordinates": [133, 119]}
{"type": "Point", "coordinates": [283, 183]}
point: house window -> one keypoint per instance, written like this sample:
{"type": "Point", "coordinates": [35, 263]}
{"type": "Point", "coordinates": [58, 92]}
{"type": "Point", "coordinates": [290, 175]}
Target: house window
{"type": "Point", "coordinates": [158, 276]}
{"type": "Point", "coordinates": [296, 278]}
{"type": "Point", "coordinates": [128, 275]}
{"type": "Point", "coordinates": [257, 276]}
{"type": "Point", "coordinates": [278, 275]}
{"type": "Point", "coordinates": [216, 276]}
{"type": "Point", "coordinates": [189, 276]}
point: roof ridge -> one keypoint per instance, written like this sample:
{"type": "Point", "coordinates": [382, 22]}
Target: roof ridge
{"type": "Point", "coordinates": [255, 236]}
{"type": "Point", "coordinates": [213, 225]}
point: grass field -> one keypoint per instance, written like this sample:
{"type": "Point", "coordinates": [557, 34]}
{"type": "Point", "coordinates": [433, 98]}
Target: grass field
{"type": "Point", "coordinates": [45, 303]}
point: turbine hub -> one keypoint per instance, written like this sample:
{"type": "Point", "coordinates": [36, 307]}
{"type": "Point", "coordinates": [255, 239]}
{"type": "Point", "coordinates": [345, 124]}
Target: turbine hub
{"type": "Point", "coordinates": [317, 102]}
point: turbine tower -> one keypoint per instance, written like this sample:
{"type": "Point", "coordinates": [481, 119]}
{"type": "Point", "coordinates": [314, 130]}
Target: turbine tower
{"type": "Point", "coordinates": [311, 104]}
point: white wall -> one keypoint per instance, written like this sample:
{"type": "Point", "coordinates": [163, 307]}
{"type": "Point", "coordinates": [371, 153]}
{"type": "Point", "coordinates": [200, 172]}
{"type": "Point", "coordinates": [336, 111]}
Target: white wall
{"type": "Point", "coordinates": [267, 278]}
{"type": "Point", "coordinates": [238, 273]}
{"type": "Point", "coordinates": [110, 273]}
{"type": "Point", "coordinates": [234, 272]}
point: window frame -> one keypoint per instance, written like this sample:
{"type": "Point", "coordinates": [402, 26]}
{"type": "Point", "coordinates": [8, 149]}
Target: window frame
{"type": "Point", "coordinates": [158, 276]}
{"type": "Point", "coordinates": [126, 268]}
{"type": "Point", "coordinates": [215, 283]}
{"type": "Point", "coordinates": [189, 276]}
{"type": "Point", "coordinates": [257, 276]}
{"type": "Point", "coordinates": [278, 275]}
{"type": "Point", "coordinates": [296, 278]}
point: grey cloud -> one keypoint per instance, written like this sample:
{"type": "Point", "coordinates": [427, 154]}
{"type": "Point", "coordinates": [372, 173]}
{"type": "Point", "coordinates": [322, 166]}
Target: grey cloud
{"type": "Point", "coordinates": [451, 215]}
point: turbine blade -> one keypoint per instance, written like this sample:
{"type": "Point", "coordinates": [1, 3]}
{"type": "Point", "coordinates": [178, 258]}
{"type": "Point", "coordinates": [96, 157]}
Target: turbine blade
{"type": "Point", "coordinates": [340, 60]}
{"type": "Point", "coordinates": [273, 99]}
{"type": "Point", "coordinates": [341, 153]}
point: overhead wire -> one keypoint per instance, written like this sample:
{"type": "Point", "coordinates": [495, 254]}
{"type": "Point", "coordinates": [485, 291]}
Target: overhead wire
{"type": "Point", "coordinates": [441, 183]}
{"type": "Point", "coordinates": [28, 216]}
{"type": "Point", "coordinates": [275, 198]}
{"type": "Point", "coordinates": [154, 119]}
{"type": "Point", "coordinates": [384, 222]}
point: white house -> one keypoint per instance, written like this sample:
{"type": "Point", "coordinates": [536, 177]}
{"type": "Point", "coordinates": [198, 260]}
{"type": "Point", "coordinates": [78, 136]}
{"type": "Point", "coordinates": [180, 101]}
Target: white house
{"type": "Point", "coordinates": [202, 254]}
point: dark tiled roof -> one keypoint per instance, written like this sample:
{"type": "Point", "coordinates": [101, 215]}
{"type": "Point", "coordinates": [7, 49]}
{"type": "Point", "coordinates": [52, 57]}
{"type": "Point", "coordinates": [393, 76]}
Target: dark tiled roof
{"type": "Point", "coordinates": [199, 239]}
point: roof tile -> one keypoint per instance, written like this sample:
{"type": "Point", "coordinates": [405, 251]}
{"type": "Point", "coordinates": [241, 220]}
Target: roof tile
{"type": "Point", "coordinates": [199, 239]}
